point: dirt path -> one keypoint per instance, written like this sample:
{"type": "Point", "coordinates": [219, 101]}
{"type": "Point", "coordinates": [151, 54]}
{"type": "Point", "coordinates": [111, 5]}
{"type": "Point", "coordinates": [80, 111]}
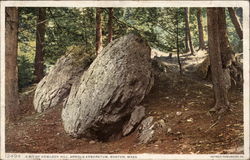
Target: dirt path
{"type": "Point", "coordinates": [182, 102]}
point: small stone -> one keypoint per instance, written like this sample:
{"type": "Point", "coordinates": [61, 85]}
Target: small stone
{"type": "Point", "coordinates": [190, 103]}
{"type": "Point", "coordinates": [169, 130]}
{"type": "Point", "coordinates": [92, 142]}
{"type": "Point", "coordinates": [178, 113]}
{"type": "Point", "coordinates": [162, 124]}
{"type": "Point", "coordinates": [190, 120]}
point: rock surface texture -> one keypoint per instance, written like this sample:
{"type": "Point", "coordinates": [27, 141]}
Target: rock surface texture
{"type": "Point", "coordinates": [134, 120]}
{"type": "Point", "coordinates": [109, 90]}
{"type": "Point", "coordinates": [234, 73]}
{"type": "Point", "coordinates": [150, 130]}
{"type": "Point", "coordinates": [56, 85]}
{"type": "Point", "coordinates": [145, 131]}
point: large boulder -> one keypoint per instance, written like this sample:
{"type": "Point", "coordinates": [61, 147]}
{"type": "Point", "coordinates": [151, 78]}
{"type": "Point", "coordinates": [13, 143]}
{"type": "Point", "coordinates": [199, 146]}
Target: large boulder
{"type": "Point", "coordinates": [117, 81]}
{"type": "Point", "coordinates": [56, 85]}
{"type": "Point", "coordinates": [203, 69]}
{"type": "Point", "coordinates": [234, 73]}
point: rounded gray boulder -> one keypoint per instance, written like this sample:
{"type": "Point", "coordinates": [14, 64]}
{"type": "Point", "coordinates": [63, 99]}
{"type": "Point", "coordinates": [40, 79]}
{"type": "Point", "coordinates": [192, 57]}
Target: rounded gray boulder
{"type": "Point", "coordinates": [116, 81]}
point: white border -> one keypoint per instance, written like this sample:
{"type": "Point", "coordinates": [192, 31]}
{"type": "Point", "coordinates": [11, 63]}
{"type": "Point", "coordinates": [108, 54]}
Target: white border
{"type": "Point", "coordinates": [2, 80]}
{"type": "Point", "coordinates": [246, 72]}
{"type": "Point", "coordinates": [243, 4]}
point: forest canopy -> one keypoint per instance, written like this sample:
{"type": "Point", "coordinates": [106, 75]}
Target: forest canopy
{"type": "Point", "coordinates": [66, 27]}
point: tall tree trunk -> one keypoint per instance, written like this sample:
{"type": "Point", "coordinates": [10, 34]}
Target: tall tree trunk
{"type": "Point", "coordinates": [177, 41]}
{"type": "Point", "coordinates": [40, 36]}
{"type": "Point", "coordinates": [236, 22]}
{"type": "Point", "coordinates": [227, 53]}
{"type": "Point", "coordinates": [11, 71]}
{"type": "Point", "coordinates": [187, 49]}
{"type": "Point", "coordinates": [188, 31]}
{"type": "Point", "coordinates": [218, 73]}
{"type": "Point", "coordinates": [200, 28]}
{"type": "Point", "coordinates": [229, 62]}
{"type": "Point", "coordinates": [98, 30]}
{"type": "Point", "coordinates": [110, 24]}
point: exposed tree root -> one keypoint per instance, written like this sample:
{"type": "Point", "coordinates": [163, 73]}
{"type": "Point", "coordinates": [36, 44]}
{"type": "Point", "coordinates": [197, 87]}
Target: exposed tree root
{"type": "Point", "coordinates": [220, 109]}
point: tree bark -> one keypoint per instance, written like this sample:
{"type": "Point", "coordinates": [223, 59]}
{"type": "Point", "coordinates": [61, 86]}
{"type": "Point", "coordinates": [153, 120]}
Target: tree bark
{"type": "Point", "coordinates": [200, 28]}
{"type": "Point", "coordinates": [187, 49]}
{"type": "Point", "coordinates": [227, 53]}
{"type": "Point", "coordinates": [98, 30]}
{"type": "Point", "coordinates": [11, 73]}
{"type": "Point", "coordinates": [177, 41]}
{"type": "Point", "coordinates": [110, 24]}
{"type": "Point", "coordinates": [220, 86]}
{"type": "Point", "coordinates": [236, 22]}
{"type": "Point", "coordinates": [40, 36]}
{"type": "Point", "coordinates": [186, 35]}
{"type": "Point", "coordinates": [188, 31]}
{"type": "Point", "coordinates": [229, 62]}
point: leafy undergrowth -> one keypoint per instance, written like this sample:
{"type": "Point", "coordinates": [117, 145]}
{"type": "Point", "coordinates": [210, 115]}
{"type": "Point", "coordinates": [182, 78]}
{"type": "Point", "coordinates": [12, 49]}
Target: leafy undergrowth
{"type": "Point", "coordinates": [181, 102]}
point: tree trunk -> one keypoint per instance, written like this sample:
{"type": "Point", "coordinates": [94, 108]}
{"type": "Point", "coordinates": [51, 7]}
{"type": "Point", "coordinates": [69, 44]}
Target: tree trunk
{"type": "Point", "coordinates": [110, 25]}
{"type": "Point", "coordinates": [177, 41]}
{"type": "Point", "coordinates": [188, 31]}
{"type": "Point", "coordinates": [187, 49]}
{"type": "Point", "coordinates": [218, 73]}
{"type": "Point", "coordinates": [228, 56]}
{"type": "Point", "coordinates": [11, 73]}
{"type": "Point", "coordinates": [200, 28]}
{"type": "Point", "coordinates": [186, 35]}
{"type": "Point", "coordinates": [98, 30]}
{"type": "Point", "coordinates": [236, 22]}
{"type": "Point", "coordinates": [40, 36]}
{"type": "Point", "coordinates": [227, 53]}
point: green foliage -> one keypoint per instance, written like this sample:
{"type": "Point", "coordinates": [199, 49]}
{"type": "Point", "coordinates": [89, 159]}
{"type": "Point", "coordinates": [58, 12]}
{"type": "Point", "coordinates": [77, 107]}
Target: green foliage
{"type": "Point", "coordinates": [234, 40]}
{"type": "Point", "coordinates": [193, 23]}
{"type": "Point", "coordinates": [80, 57]}
{"type": "Point", "coordinates": [26, 46]}
{"type": "Point", "coordinates": [25, 72]}
{"type": "Point", "coordinates": [156, 25]}
{"type": "Point", "coordinates": [67, 27]}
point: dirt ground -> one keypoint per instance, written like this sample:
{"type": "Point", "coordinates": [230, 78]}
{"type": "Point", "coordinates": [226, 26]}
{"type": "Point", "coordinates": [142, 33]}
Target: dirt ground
{"type": "Point", "coordinates": [182, 102]}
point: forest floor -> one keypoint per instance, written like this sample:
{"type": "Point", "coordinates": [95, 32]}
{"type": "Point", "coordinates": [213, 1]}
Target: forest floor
{"type": "Point", "coordinates": [182, 102]}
